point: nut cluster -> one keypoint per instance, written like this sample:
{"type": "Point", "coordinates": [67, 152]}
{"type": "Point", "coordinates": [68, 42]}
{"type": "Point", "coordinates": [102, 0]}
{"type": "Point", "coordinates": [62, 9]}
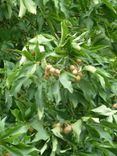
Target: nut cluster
{"type": "Point", "coordinates": [65, 128]}
{"type": "Point", "coordinates": [75, 71]}
{"type": "Point", "coordinates": [51, 71]}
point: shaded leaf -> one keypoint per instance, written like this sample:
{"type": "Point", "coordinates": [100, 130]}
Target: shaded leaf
{"type": "Point", "coordinates": [77, 129]}
{"type": "Point", "coordinates": [64, 79]}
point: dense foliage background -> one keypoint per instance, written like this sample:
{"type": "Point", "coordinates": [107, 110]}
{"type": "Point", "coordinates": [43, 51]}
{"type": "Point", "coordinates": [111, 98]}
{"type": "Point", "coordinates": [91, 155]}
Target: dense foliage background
{"type": "Point", "coordinates": [58, 77]}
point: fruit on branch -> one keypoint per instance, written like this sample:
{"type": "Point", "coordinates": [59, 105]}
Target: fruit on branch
{"type": "Point", "coordinates": [51, 71]}
{"type": "Point", "coordinates": [57, 71]}
{"type": "Point", "coordinates": [78, 61]}
{"type": "Point", "coordinates": [78, 78]}
{"type": "Point", "coordinates": [76, 71]}
{"type": "Point", "coordinates": [67, 128]}
{"type": "Point", "coordinates": [48, 67]}
{"type": "Point", "coordinates": [115, 106]}
{"type": "Point", "coordinates": [72, 67]}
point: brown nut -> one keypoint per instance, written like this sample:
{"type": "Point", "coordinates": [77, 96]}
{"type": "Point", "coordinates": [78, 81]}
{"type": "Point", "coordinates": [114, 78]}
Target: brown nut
{"type": "Point", "coordinates": [75, 72]}
{"type": "Point", "coordinates": [57, 71]}
{"type": "Point", "coordinates": [67, 129]}
{"type": "Point", "coordinates": [115, 106]}
{"type": "Point", "coordinates": [52, 70]}
{"type": "Point", "coordinates": [48, 67]}
{"type": "Point", "coordinates": [72, 67]}
{"type": "Point", "coordinates": [78, 61]}
{"type": "Point", "coordinates": [78, 78]}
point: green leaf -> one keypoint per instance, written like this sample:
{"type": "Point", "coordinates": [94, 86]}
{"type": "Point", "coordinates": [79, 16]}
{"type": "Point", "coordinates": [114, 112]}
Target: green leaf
{"type": "Point", "coordinates": [85, 119]}
{"type": "Point", "coordinates": [27, 55]}
{"type": "Point", "coordinates": [17, 87]}
{"type": "Point", "coordinates": [63, 8]}
{"type": "Point", "coordinates": [57, 132]}
{"type": "Point", "coordinates": [54, 146]}
{"type": "Point", "coordinates": [64, 80]}
{"type": "Point", "coordinates": [64, 31]}
{"type": "Point", "coordinates": [90, 68]}
{"type": "Point", "coordinates": [56, 92]}
{"type": "Point", "coordinates": [30, 6]}
{"type": "Point", "coordinates": [103, 110]}
{"type": "Point", "coordinates": [20, 150]}
{"type": "Point", "coordinates": [102, 81]}
{"type": "Point", "coordinates": [41, 131]}
{"type": "Point", "coordinates": [87, 88]}
{"type": "Point", "coordinates": [43, 149]}
{"type": "Point", "coordinates": [40, 100]}
{"type": "Point", "coordinates": [77, 129]}
{"type": "Point", "coordinates": [109, 5]}
{"type": "Point", "coordinates": [32, 69]}
{"type": "Point", "coordinates": [13, 132]}
{"type": "Point", "coordinates": [2, 124]}
{"type": "Point", "coordinates": [9, 9]}
{"type": "Point", "coordinates": [22, 10]}
{"type": "Point", "coordinates": [74, 99]}
{"type": "Point", "coordinates": [56, 3]}
{"type": "Point", "coordinates": [13, 150]}
{"type": "Point", "coordinates": [45, 2]}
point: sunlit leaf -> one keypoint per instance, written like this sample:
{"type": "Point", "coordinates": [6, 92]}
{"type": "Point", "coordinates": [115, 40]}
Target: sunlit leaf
{"type": "Point", "coordinates": [22, 9]}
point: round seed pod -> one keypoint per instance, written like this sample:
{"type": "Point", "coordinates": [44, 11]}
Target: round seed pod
{"type": "Point", "coordinates": [57, 71]}
{"type": "Point", "coordinates": [67, 129]}
{"type": "Point", "coordinates": [75, 72]}
{"type": "Point", "coordinates": [52, 70]}
{"type": "Point", "coordinates": [78, 78]}
{"type": "Point", "coordinates": [72, 67]}
{"type": "Point", "coordinates": [48, 67]}
{"type": "Point", "coordinates": [115, 106]}
{"type": "Point", "coordinates": [78, 61]}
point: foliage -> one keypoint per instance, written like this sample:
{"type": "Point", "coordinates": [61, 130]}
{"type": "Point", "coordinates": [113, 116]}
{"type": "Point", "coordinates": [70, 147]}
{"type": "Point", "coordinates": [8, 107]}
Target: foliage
{"type": "Point", "coordinates": [58, 80]}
